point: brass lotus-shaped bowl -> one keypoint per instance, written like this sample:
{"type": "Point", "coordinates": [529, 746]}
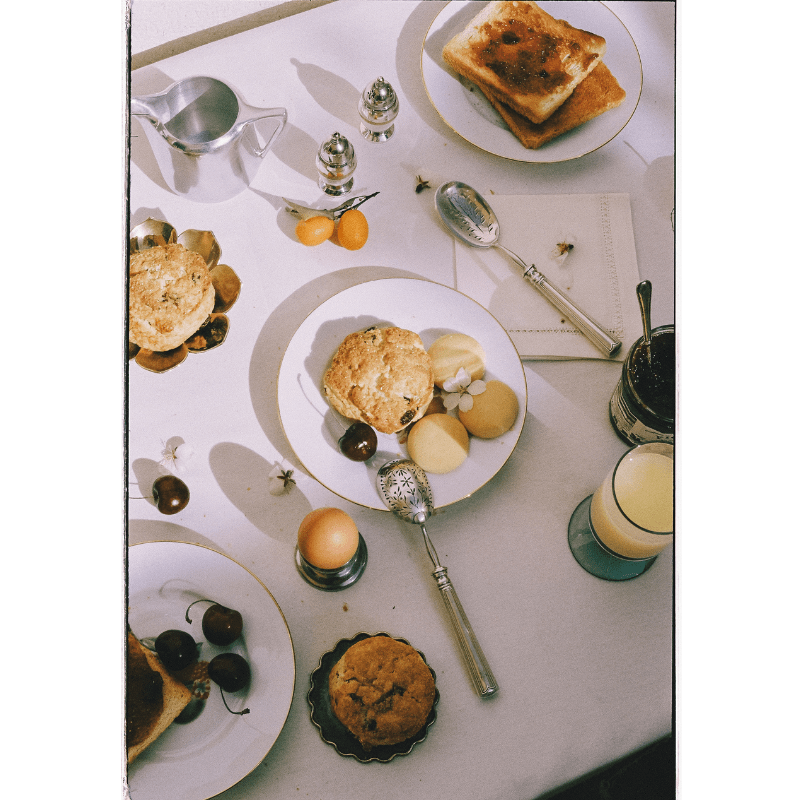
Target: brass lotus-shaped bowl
{"type": "Point", "coordinates": [212, 333]}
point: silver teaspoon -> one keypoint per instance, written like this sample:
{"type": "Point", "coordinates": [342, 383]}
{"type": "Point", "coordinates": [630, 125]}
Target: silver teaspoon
{"type": "Point", "coordinates": [404, 487]}
{"type": "Point", "coordinates": [644, 292]}
{"type": "Point", "coordinates": [472, 220]}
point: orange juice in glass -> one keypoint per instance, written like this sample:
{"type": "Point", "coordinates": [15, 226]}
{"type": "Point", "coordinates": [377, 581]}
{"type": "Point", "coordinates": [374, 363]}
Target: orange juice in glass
{"type": "Point", "coordinates": [617, 532]}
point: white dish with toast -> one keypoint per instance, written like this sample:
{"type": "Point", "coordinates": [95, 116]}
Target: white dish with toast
{"type": "Point", "coordinates": [431, 310]}
{"type": "Point", "coordinates": [200, 759]}
{"type": "Point", "coordinates": [466, 110]}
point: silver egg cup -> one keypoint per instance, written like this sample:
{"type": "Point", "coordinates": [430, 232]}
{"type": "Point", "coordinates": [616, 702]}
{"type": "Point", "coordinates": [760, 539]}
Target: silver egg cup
{"type": "Point", "coordinates": [334, 580]}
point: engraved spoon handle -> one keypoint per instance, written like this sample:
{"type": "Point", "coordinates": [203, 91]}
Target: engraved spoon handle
{"type": "Point", "coordinates": [588, 326]}
{"type": "Point", "coordinates": [479, 671]}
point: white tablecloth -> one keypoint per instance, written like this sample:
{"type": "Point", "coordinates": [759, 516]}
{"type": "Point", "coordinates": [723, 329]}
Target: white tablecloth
{"type": "Point", "coordinates": [584, 666]}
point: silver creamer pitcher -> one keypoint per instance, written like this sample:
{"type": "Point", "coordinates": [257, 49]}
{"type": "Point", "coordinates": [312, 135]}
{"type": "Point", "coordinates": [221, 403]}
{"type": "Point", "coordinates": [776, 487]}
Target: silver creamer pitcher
{"type": "Point", "coordinates": [205, 138]}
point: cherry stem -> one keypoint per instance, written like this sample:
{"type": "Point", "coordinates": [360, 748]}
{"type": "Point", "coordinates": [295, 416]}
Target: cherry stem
{"type": "Point", "coordinates": [246, 710]}
{"type": "Point", "coordinates": [204, 600]}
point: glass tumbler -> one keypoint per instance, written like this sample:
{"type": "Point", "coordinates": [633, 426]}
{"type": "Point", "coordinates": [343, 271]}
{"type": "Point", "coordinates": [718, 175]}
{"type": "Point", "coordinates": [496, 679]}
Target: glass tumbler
{"type": "Point", "coordinates": [617, 533]}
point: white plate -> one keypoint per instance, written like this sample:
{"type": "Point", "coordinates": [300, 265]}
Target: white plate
{"type": "Point", "coordinates": [429, 309]}
{"type": "Point", "coordinates": [203, 758]}
{"type": "Point", "coordinates": [465, 109]}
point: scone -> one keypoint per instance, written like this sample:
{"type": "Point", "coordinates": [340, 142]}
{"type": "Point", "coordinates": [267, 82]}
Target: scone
{"type": "Point", "coordinates": [171, 296]}
{"type": "Point", "coordinates": [381, 376]}
{"type": "Point", "coordinates": [381, 691]}
{"type": "Point", "coordinates": [153, 698]}
{"type": "Point", "coordinates": [598, 93]}
{"type": "Point", "coordinates": [531, 61]}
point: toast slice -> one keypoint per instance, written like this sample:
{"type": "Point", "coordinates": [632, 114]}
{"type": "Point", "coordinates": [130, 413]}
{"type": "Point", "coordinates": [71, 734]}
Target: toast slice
{"type": "Point", "coordinates": [597, 93]}
{"type": "Point", "coordinates": [531, 61]}
{"type": "Point", "coordinates": [153, 698]}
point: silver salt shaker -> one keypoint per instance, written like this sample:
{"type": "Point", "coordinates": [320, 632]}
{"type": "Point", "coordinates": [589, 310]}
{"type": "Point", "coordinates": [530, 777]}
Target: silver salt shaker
{"type": "Point", "coordinates": [378, 109]}
{"type": "Point", "coordinates": [336, 162]}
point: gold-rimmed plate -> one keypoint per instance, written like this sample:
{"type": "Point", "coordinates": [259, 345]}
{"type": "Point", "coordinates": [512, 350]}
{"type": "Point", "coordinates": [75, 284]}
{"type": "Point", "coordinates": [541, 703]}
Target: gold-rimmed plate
{"type": "Point", "coordinates": [429, 309]}
{"type": "Point", "coordinates": [465, 110]}
{"type": "Point", "coordinates": [200, 759]}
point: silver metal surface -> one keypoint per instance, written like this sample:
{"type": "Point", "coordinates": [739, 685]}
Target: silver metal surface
{"type": "Point", "coordinates": [205, 138]}
{"type": "Point", "coordinates": [472, 220]}
{"type": "Point", "coordinates": [334, 580]}
{"type": "Point", "coordinates": [644, 292]}
{"type": "Point", "coordinates": [336, 162]}
{"type": "Point", "coordinates": [378, 107]}
{"type": "Point", "coordinates": [404, 487]}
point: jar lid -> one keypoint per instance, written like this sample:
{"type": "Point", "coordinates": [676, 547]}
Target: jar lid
{"type": "Point", "coordinates": [379, 96]}
{"type": "Point", "coordinates": [337, 151]}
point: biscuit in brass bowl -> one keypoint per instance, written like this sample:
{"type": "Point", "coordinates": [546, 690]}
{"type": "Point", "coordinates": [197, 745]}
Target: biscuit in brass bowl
{"type": "Point", "coordinates": [179, 294]}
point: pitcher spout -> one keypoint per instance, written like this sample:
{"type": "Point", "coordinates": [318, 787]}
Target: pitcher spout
{"type": "Point", "coordinates": [153, 107]}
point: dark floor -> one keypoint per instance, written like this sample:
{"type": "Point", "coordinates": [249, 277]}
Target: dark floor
{"type": "Point", "coordinates": [648, 774]}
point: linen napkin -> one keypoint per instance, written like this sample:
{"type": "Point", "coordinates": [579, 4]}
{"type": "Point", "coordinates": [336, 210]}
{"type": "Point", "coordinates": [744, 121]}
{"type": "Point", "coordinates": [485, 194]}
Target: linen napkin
{"type": "Point", "coordinates": [599, 274]}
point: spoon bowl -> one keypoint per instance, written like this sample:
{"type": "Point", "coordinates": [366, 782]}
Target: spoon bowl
{"type": "Point", "coordinates": [405, 489]}
{"type": "Point", "coordinates": [471, 220]}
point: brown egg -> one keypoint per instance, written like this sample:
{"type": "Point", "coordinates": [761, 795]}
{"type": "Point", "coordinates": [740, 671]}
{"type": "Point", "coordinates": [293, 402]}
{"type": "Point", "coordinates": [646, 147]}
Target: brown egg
{"type": "Point", "coordinates": [327, 538]}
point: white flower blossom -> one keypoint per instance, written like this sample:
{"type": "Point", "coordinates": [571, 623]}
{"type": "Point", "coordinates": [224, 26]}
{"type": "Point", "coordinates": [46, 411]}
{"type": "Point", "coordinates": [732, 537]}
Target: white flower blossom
{"type": "Point", "coordinates": [565, 244]}
{"type": "Point", "coordinates": [460, 389]}
{"type": "Point", "coordinates": [280, 479]}
{"type": "Point", "coordinates": [177, 456]}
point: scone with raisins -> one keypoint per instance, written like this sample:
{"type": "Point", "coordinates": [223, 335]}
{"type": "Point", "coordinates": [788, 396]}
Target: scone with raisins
{"type": "Point", "coordinates": [381, 376]}
{"type": "Point", "coordinates": [382, 691]}
{"type": "Point", "coordinates": [171, 296]}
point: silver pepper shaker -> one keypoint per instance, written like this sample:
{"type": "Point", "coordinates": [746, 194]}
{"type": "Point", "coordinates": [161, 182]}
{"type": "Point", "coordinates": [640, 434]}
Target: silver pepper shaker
{"type": "Point", "coordinates": [378, 108]}
{"type": "Point", "coordinates": [336, 162]}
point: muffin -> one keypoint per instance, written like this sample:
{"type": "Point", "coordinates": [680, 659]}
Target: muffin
{"type": "Point", "coordinates": [382, 691]}
{"type": "Point", "coordinates": [171, 296]}
{"type": "Point", "coordinates": [380, 376]}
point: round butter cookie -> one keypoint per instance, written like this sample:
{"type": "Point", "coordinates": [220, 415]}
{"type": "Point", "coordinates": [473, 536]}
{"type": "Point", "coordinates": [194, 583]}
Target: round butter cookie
{"type": "Point", "coordinates": [438, 443]}
{"type": "Point", "coordinates": [455, 350]}
{"type": "Point", "coordinates": [493, 412]}
{"type": "Point", "coordinates": [381, 691]}
{"type": "Point", "coordinates": [381, 376]}
{"type": "Point", "coordinates": [171, 296]}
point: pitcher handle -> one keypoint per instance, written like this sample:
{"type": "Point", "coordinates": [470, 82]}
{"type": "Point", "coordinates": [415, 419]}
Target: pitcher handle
{"type": "Point", "coordinates": [269, 113]}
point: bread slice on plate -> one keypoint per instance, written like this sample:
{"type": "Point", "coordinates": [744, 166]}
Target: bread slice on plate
{"type": "Point", "coordinates": [531, 61]}
{"type": "Point", "coordinates": [598, 93]}
{"type": "Point", "coordinates": [153, 698]}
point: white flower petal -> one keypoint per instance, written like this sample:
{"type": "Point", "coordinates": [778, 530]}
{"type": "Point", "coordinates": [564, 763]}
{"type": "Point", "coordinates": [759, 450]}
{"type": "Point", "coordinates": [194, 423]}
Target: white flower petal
{"type": "Point", "coordinates": [465, 403]}
{"type": "Point", "coordinates": [450, 400]}
{"type": "Point", "coordinates": [477, 387]}
{"type": "Point", "coordinates": [276, 486]}
{"type": "Point", "coordinates": [184, 451]}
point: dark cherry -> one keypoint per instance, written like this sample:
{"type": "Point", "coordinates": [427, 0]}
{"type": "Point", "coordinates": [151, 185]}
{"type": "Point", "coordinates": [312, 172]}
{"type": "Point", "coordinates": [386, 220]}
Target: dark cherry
{"type": "Point", "coordinates": [359, 442]}
{"type": "Point", "coordinates": [229, 671]}
{"type": "Point", "coordinates": [221, 625]}
{"type": "Point", "coordinates": [171, 494]}
{"type": "Point", "coordinates": [176, 649]}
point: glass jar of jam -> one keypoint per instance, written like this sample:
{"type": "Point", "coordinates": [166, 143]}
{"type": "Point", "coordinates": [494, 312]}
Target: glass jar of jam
{"type": "Point", "coordinates": [642, 407]}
